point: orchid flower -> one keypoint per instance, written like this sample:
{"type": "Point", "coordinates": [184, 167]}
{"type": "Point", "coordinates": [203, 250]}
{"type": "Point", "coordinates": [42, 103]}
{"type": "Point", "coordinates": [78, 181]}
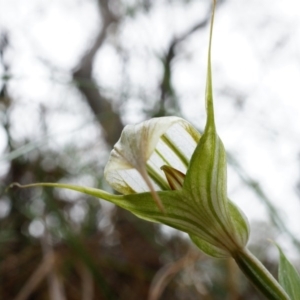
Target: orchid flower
{"type": "Point", "coordinates": [170, 174]}
{"type": "Point", "coordinates": [167, 159]}
{"type": "Point", "coordinates": [166, 172]}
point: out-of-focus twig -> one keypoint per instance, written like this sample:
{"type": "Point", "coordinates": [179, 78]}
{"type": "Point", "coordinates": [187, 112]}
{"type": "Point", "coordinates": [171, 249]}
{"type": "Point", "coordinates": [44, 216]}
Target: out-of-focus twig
{"type": "Point", "coordinates": [38, 275]}
{"type": "Point", "coordinates": [87, 283]}
{"type": "Point", "coordinates": [56, 291]}
{"type": "Point", "coordinates": [168, 272]}
{"type": "Point", "coordinates": [166, 88]}
{"type": "Point", "coordinates": [232, 280]}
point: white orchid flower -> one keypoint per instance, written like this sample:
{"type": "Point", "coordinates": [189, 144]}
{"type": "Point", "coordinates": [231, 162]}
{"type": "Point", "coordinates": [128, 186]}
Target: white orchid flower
{"type": "Point", "coordinates": [167, 173]}
{"type": "Point", "coordinates": [154, 158]}
{"type": "Point", "coordinates": [166, 160]}
{"type": "Point", "coordinates": [144, 148]}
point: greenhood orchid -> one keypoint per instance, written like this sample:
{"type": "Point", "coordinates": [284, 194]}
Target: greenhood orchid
{"type": "Point", "coordinates": [170, 174]}
{"type": "Point", "coordinates": [166, 172]}
{"type": "Point", "coordinates": [167, 159]}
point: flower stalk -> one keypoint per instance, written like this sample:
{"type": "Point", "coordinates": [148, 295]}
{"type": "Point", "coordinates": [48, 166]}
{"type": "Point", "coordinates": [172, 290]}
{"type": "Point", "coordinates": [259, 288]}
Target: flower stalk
{"type": "Point", "coordinates": [259, 275]}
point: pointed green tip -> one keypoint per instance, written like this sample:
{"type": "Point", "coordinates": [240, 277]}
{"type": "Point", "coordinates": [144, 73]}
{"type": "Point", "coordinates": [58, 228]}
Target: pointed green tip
{"type": "Point", "coordinates": [209, 91]}
{"type": "Point", "coordinates": [82, 189]}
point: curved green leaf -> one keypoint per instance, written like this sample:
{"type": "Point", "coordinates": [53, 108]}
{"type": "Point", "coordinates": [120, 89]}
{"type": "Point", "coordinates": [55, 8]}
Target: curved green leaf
{"type": "Point", "coordinates": [288, 276]}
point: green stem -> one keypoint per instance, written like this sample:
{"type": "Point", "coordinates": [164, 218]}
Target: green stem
{"type": "Point", "coordinates": [260, 277]}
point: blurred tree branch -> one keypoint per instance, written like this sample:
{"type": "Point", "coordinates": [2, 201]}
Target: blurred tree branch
{"type": "Point", "coordinates": [167, 91]}
{"type": "Point", "coordinates": [166, 88]}
{"type": "Point", "coordinates": [99, 104]}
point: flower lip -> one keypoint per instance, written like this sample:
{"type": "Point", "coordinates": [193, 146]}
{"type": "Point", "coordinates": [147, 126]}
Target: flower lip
{"type": "Point", "coordinates": [175, 178]}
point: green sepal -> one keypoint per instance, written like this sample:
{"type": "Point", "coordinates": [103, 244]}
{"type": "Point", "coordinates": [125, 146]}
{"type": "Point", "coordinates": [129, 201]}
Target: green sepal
{"type": "Point", "coordinates": [208, 248]}
{"type": "Point", "coordinates": [179, 213]}
{"type": "Point", "coordinates": [240, 222]}
{"type": "Point", "coordinates": [288, 276]}
{"type": "Point", "coordinates": [206, 177]}
{"type": "Point", "coordinates": [242, 228]}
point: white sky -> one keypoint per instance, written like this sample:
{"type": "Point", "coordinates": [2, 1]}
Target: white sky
{"type": "Point", "coordinates": [256, 58]}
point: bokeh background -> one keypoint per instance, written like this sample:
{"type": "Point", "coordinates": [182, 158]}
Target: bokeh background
{"type": "Point", "coordinates": [73, 73]}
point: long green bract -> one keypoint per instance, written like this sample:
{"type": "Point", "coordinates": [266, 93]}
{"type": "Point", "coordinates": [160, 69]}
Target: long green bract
{"type": "Point", "coordinates": [178, 214]}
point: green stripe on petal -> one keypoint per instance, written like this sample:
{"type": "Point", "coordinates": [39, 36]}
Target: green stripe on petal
{"type": "Point", "coordinates": [164, 159]}
{"type": "Point", "coordinates": [175, 150]}
{"type": "Point", "coordinates": [138, 143]}
{"type": "Point", "coordinates": [157, 178]}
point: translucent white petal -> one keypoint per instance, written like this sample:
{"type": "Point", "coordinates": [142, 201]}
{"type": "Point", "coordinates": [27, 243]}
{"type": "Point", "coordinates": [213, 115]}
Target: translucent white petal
{"type": "Point", "coordinates": [144, 148]}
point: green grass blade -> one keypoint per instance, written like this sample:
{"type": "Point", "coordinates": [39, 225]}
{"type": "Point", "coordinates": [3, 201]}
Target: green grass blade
{"type": "Point", "coordinates": [288, 276]}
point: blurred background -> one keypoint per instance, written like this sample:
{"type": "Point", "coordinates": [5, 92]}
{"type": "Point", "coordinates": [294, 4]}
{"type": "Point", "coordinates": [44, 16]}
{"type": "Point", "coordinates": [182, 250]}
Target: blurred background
{"type": "Point", "coordinates": [73, 73]}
